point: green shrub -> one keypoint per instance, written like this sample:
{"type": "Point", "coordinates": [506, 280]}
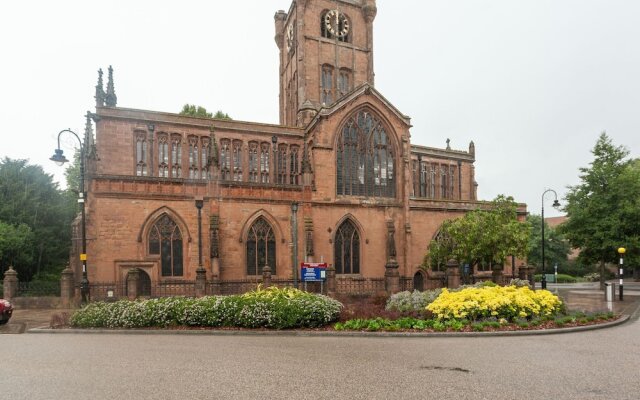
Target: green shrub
{"type": "Point", "coordinates": [262, 308]}
{"type": "Point", "coordinates": [411, 301]}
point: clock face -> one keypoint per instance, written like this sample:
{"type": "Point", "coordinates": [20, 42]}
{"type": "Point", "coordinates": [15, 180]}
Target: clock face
{"type": "Point", "coordinates": [290, 37]}
{"type": "Point", "coordinates": [336, 23]}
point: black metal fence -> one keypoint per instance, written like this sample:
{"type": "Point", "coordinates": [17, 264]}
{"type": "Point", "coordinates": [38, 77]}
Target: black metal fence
{"type": "Point", "coordinates": [360, 286]}
{"type": "Point", "coordinates": [38, 289]}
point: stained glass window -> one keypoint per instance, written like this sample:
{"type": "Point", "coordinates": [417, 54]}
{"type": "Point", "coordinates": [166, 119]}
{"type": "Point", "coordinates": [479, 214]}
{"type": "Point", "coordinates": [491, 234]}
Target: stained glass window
{"type": "Point", "coordinates": [365, 160]}
{"type": "Point", "coordinates": [165, 240]}
{"type": "Point", "coordinates": [261, 247]}
{"type": "Point", "coordinates": [347, 249]}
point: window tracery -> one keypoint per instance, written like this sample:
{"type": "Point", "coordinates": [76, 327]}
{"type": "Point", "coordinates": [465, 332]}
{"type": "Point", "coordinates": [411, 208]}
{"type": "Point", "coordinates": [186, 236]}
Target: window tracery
{"type": "Point", "coordinates": [141, 154]}
{"type": "Point", "coordinates": [165, 240]}
{"type": "Point", "coordinates": [347, 249]}
{"type": "Point", "coordinates": [261, 247]}
{"type": "Point", "coordinates": [365, 159]}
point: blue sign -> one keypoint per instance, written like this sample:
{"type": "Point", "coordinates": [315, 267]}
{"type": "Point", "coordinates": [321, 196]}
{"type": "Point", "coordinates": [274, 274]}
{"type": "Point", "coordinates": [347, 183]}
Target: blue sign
{"type": "Point", "coordinates": [313, 272]}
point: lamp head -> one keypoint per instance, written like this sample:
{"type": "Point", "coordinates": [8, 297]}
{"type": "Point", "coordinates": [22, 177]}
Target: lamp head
{"type": "Point", "coordinates": [622, 250]}
{"type": "Point", "coordinates": [199, 203]}
{"type": "Point", "coordinates": [556, 203]}
{"type": "Point", "coordinates": [58, 158]}
{"type": "Point", "coordinates": [274, 139]}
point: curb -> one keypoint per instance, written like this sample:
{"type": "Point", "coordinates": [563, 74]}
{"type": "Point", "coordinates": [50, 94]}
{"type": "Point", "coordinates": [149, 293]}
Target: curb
{"type": "Point", "coordinates": [212, 332]}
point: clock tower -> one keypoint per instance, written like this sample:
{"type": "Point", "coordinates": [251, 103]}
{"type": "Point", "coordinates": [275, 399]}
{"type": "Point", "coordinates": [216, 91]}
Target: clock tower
{"type": "Point", "coordinates": [326, 50]}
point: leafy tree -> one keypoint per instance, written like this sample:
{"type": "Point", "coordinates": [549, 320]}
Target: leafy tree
{"type": "Point", "coordinates": [28, 196]}
{"type": "Point", "coordinates": [556, 248]}
{"type": "Point", "coordinates": [16, 244]}
{"type": "Point", "coordinates": [603, 209]}
{"type": "Point", "coordinates": [198, 111]}
{"type": "Point", "coordinates": [482, 236]}
{"type": "Point", "coordinates": [221, 115]}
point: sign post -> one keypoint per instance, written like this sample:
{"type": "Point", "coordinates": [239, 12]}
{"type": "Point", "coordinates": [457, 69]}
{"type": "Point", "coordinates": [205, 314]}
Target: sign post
{"type": "Point", "coordinates": [313, 272]}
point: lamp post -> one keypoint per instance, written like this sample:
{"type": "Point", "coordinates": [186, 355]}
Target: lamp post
{"type": "Point", "coordinates": [543, 282]}
{"type": "Point", "coordinates": [59, 158]}
{"type": "Point", "coordinates": [621, 251]}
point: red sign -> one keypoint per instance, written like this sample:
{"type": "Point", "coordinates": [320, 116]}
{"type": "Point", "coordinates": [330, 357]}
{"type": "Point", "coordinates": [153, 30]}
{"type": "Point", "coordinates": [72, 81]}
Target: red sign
{"type": "Point", "coordinates": [313, 265]}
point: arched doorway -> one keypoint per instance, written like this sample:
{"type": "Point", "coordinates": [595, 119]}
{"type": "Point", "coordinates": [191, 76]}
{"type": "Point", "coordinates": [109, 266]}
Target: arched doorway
{"type": "Point", "coordinates": [144, 283]}
{"type": "Point", "coordinates": [418, 281]}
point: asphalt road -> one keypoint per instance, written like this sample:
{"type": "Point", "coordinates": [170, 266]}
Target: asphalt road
{"type": "Point", "coordinates": [601, 364]}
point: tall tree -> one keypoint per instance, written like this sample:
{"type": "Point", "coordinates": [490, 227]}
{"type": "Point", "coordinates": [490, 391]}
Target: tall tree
{"type": "Point", "coordinates": [556, 247]}
{"type": "Point", "coordinates": [599, 208]}
{"type": "Point", "coordinates": [482, 236]}
{"type": "Point", "coordinates": [28, 196]}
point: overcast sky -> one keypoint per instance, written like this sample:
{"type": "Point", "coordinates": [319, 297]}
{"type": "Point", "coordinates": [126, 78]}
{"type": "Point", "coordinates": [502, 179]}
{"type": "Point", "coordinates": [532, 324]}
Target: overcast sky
{"type": "Point", "coordinates": [532, 83]}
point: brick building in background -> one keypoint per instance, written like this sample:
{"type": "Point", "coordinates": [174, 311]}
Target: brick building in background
{"type": "Point", "coordinates": [337, 181]}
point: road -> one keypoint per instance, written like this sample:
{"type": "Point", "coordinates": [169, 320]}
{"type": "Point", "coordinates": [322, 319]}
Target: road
{"type": "Point", "coordinates": [601, 364]}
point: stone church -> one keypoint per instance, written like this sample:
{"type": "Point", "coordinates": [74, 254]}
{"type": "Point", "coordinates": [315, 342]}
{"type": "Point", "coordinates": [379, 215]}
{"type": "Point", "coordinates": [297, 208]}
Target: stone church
{"type": "Point", "coordinates": [176, 197]}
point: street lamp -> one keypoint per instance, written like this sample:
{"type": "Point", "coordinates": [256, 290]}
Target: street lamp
{"type": "Point", "coordinates": [59, 158]}
{"type": "Point", "coordinates": [621, 251]}
{"type": "Point", "coordinates": [556, 204]}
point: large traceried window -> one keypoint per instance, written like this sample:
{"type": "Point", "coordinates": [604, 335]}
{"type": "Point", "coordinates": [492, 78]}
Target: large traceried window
{"type": "Point", "coordinates": [141, 154]}
{"type": "Point", "coordinates": [347, 249]}
{"type": "Point", "coordinates": [326, 85]}
{"type": "Point", "coordinates": [365, 161]}
{"type": "Point", "coordinates": [165, 240]}
{"type": "Point", "coordinates": [261, 247]}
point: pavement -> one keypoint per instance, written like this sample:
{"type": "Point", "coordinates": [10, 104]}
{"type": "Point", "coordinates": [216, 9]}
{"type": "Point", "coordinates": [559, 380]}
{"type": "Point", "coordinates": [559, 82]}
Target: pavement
{"type": "Point", "coordinates": [578, 297]}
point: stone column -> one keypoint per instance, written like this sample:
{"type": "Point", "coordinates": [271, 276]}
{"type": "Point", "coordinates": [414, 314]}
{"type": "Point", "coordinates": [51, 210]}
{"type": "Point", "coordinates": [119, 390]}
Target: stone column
{"type": "Point", "coordinates": [496, 275]}
{"type": "Point", "coordinates": [10, 285]}
{"type": "Point", "coordinates": [266, 276]}
{"type": "Point", "coordinates": [133, 283]}
{"type": "Point", "coordinates": [526, 273]}
{"type": "Point", "coordinates": [391, 277]}
{"type": "Point", "coordinates": [201, 282]}
{"type": "Point", "coordinates": [215, 285]}
{"type": "Point", "coordinates": [67, 287]}
{"type": "Point", "coordinates": [453, 274]}
{"type": "Point", "coordinates": [522, 272]}
{"type": "Point", "coordinates": [331, 280]}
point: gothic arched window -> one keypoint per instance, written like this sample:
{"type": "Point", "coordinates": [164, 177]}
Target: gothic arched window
{"type": "Point", "coordinates": [261, 247]}
{"type": "Point", "coordinates": [364, 159]}
{"type": "Point", "coordinates": [165, 240]}
{"type": "Point", "coordinates": [347, 249]}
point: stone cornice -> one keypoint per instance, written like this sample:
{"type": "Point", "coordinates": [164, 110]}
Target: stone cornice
{"type": "Point", "coordinates": [442, 153]}
{"type": "Point", "coordinates": [155, 117]}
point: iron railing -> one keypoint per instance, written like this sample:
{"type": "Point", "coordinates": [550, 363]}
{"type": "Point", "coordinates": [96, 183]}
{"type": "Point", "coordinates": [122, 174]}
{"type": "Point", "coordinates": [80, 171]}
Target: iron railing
{"type": "Point", "coordinates": [38, 289]}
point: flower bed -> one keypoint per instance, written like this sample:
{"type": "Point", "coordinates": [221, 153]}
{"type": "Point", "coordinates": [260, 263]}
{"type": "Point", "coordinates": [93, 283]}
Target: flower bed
{"type": "Point", "coordinates": [508, 302]}
{"type": "Point", "coordinates": [262, 308]}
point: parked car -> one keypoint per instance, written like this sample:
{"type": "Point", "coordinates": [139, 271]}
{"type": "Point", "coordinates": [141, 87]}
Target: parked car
{"type": "Point", "coordinates": [6, 309]}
